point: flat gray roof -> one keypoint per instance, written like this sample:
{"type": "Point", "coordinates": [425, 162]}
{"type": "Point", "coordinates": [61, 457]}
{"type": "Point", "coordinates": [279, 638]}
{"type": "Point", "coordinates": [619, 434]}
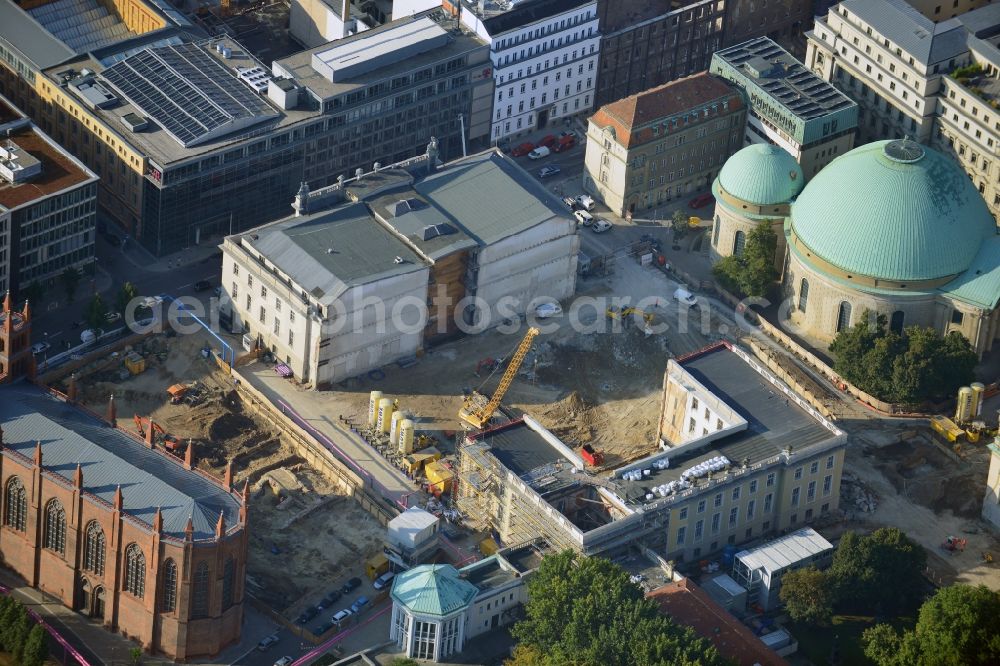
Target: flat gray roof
{"type": "Point", "coordinates": [111, 458]}
{"type": "Point", "coordinates": [519, 448]}
{"type": "Point", "coordinates": [785, 552]}
{"type": "Point", "coordinates": [487, 574]}
{"type": "Point", "coordinates": [916, 34]}
{"type": "Point", "coordinates": [421, 223]}
{"type": "Point", "coordinates": [30, 39]}
{"type": "Point", "coordinates": [329, 251]}
{"type": "Point", "coordinates": [798, 90]}
{"type": "Point", "coordinates": [343, 60]}
{"type": "Point", "coordinates": [300, 66]}
{"type": "Point", "coordinates": [774, 423]}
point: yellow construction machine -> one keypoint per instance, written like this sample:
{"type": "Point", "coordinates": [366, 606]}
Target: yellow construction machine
{"type": "Point", "coordinates": [478, 409]}
{"type": "Point", "coordinates": [614, 313]}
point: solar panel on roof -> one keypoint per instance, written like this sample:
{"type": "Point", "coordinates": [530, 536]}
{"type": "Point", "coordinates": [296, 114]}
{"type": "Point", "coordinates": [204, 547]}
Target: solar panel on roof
{"type": "Point", "coordinates": [186, 91]}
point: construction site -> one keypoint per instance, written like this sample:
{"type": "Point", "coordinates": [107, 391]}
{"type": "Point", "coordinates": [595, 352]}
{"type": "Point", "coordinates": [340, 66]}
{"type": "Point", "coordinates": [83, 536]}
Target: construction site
{"type": "Point", "coordinates": [299, 515]}
{"type": "Point", "coordinates": [564, 456]}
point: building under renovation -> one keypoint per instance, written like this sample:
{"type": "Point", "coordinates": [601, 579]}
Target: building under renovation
{"type": "Point", "coordinates": [742, 457]}
{"type": "Point", "coordinates": [373, 269]}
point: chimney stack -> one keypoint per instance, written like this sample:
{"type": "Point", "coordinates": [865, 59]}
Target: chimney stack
{"type": "Point", "coordinates": [112, 412]}
{"type": "Point", "coordinates": [72, 390]}
{"type": "Point", "coordinates": [149, 434]}
{"type": "Point", "coordinates": [227, 480]}
{"type": "Point", "coordinates": [189, 455]}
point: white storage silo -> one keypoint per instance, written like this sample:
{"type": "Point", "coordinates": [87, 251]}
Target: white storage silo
{"type": "Point", "coordinates": [977, 399]}
{"type": "Point", "coordinates": [963, 411]}
{"type": "Point", "coordinates": [394, 425]}
{"type": "Point", "coordinates": [373, 399]}
{"type": "Point", "coordinates": [405, 440]}
{"type": "Point", "coordinates": [384, 415]}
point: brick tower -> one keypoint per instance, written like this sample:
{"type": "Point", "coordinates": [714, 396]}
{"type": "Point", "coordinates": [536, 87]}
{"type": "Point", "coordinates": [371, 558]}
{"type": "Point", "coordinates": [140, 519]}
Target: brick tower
{"type": "Point", "coordinates": [16, 359]}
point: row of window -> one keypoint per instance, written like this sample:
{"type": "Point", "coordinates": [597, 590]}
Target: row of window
{"type": "Point", "coordinates": [94, 554]}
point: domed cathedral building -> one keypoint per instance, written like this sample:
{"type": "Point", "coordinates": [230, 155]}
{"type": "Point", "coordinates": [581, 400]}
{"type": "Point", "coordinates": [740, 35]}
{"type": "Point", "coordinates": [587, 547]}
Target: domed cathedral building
{"type": "Point", "coordinates": [892, 226]}
{"type": "Point", "coordinates": [756, 185]}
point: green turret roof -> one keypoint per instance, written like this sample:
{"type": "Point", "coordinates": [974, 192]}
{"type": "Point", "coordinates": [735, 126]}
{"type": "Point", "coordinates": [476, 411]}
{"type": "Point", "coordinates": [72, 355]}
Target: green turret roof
{"type": "Point", "coordinates": [762, 174]}
{"type": "Point", "coordinates": [433, 589]}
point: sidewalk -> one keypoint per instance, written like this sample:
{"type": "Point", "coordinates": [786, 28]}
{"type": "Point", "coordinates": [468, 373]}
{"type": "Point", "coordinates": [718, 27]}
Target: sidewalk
{"type": "Point", "coordinates": [140, 258]}
{"type": "Point", "coordinates": [314, 408]}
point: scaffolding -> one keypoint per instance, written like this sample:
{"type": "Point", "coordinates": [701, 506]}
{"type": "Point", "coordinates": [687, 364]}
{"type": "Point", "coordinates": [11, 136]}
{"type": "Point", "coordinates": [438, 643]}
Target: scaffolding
{"type": "Point", "coordinates": [491, 504]}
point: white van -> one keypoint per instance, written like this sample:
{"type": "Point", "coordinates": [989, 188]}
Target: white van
{"type": "Point", "coordinates": [538, 153]}
{"type": "Point", "coordinates": [384, 580]}
{"type": "Point", "coordinates": [685, 297]}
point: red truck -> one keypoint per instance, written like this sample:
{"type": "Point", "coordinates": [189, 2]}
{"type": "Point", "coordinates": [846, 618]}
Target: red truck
{"type": "Point", "coordinates": [592, 456]}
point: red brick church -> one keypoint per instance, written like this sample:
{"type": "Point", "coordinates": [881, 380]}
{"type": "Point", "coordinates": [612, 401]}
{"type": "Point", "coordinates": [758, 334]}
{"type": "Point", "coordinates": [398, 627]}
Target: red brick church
{"type": "Point", "coordinates": [118, 530]}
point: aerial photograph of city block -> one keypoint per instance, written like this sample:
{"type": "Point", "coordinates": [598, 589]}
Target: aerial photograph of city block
{"type": "Point", "coordinates": [500, 332]}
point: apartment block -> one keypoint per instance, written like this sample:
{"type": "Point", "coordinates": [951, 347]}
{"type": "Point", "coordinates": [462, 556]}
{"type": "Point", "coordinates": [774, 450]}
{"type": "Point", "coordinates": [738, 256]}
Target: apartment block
{"type": "Point", "coordinates": [664, 143]}
{"type": "Point", "coordinates": [544, 54]}
{"type": "Point", "coordinates": [915, 73]}
{"type": "Point", "coordinates": [646, 43]}
{"type": "Point", "coordinates": [48, 205]}
{"type": "Point", "coordinates": [790, 106]}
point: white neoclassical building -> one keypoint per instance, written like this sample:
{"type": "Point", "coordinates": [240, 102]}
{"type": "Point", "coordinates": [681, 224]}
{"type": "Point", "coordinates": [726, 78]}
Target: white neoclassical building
{"type": "Point", "coordinates": [893, 227]}
{"type": "Point", "coordinates": [437, 608]}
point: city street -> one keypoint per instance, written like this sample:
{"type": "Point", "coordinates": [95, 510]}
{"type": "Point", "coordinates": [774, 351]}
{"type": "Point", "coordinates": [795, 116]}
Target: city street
{"type": "Point", "coordinates": [59, 323]}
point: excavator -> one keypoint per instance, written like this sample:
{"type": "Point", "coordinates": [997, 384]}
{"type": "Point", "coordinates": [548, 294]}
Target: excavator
{"type": "Point", "coordinates": [477, 410]}
{"type": "Point", "coordinates": [614, 313]}
{"type": "Point", "coordinates": [169, 442]}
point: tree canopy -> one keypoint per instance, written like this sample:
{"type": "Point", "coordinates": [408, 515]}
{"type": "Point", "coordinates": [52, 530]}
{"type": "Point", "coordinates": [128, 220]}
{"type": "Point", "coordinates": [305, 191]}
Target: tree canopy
{"type": "Point", "coordinates": [125, 294]}
{"type": "Point", "coordinates": [958, 626]}
{"type": "Point", "coordinates": [680, 223]}
{"type": "Point", "coordinates": [70, 279]}
{"type": "Point", "coordinates": [96, 311]}
{"type": "Point", "coordinates": [807, 596]}
{"type": "Point", "coordinates": [751, 272]}
{"type": "Point", "coordinates": [908, 368]}
{"type": "Point", "coordinates": [586, 612]}
{"type": "Point", "coordinates": [864, 567]}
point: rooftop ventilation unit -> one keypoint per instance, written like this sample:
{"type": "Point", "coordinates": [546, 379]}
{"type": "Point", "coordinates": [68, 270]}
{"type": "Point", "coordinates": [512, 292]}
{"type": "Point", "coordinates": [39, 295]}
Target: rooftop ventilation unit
{"type": "Point", "coordinates": [404, 206]}
{"type": "Point", "coordinates": [16, 164]}
{"type": "Point", "coordinates": [134, 122]}
{"type": "Point", "coordinates": [255, 77]}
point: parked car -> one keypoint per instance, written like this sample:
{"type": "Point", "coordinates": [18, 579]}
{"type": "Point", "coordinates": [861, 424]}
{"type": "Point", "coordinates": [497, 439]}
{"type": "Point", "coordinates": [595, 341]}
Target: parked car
{"type": "Point", "coordinates": [585, 201]}
{"type": "Point", "coordinates": [569, 133]}
{"type": "Point", "coordinates": [284, 661]}
{"type": "Point", "coordinates": [361, 602]}
{"type": "Point", "coordinates": [548, 140]}
{"type": "Point", "coordinates": [217, 292]}
{"type": "Point", "coordinates": [112, 317]}
{"type": "Point", "coordinates": [307, 615]}
{"type": "Point", "coordinates": [583, 217]}
{"type": "Point", "coordinates": [565, 143]}
{"type": "Point", "coordinates": [322, 628]}
{"type": "Point", "coordinates": [267, 642]}
{"type": "Point", "coordinates": [351, 585]}
{"type": "Point", "coordinates": [701, 200]}
{"type": "Point", "coordinates": [539, 152]}
{"type": "Point", "coordinates": [546, 310]}
{"type": "Point", "coordinates": [522, 149]}
{"type": "Point", "coordinates": [340, 616]}
{"type": "Point", "coordinates": [600, 226]}
{"type": "Point", "coordinates": [383, 581]}
{"type": "Point", "coordinates": [685, 297]}
{"type": "Point", "coordinates": [570, 202]}
{"type": "Point", "coordinates": [40, 347]}
{"type": "Point", "coordinates": [549, 170]}
{"type": "Point", "coordinates": [202, 285]}
{"type": "Point", "coordinates": [329, 600]}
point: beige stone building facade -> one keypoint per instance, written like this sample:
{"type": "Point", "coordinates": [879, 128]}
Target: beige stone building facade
{"type": "Point", "coordinates": [662, 144]}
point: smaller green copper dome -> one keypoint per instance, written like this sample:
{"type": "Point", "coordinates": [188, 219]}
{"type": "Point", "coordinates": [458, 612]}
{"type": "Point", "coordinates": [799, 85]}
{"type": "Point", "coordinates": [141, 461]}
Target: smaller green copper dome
{"type": "Point", "coordinates": [433, 589]}
{"type": "Point", "coordinates": [762, 174]}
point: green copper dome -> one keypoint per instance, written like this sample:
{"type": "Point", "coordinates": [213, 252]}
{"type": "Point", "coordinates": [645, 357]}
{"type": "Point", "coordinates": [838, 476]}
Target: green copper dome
{"type": "Point", "coordinates": [433, 589]}
{"type": "Point", "coordinates": [893, 210]}
{"type": "Point", "coordinates": [762, 174]}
